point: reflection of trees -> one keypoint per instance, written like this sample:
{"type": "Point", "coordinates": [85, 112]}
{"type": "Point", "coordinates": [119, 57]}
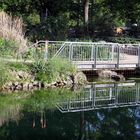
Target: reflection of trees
{"type": "Point", "coordinates": [99, 125]}
{"type": "Point", "coordinates": [46, 99]}
{"type": "Point", "coordinates": [11, 105]}
{"type": "Point", "coordinates": [113, 123]}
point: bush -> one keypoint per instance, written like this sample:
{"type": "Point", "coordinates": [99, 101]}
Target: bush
{"type": "Point", "coordinates": [53, 69]}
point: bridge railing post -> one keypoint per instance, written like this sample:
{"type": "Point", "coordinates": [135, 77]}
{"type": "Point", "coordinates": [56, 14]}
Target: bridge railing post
{"type": "Point", "coordinates": [139, 56]}
{"type": "Point", "coordinates": [71, 52]}
{"type": "Point", "coordinates": [46, 49]}
{"type": "Point", "coordinates": [118, 56]}
{"type": "Point", "coordinates": [112, 54]}
{"type": "Point", "coordinates": [95, 56]}
{"type": "Point", "coordinates": [92, 52]}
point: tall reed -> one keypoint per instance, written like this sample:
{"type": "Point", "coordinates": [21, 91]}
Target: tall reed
{"type": "Point", "coordinates": [11, 28]}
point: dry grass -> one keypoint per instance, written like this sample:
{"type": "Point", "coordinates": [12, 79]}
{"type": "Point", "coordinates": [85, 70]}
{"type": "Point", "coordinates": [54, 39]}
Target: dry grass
{"type": "Point", "coordinates": [11, 28]}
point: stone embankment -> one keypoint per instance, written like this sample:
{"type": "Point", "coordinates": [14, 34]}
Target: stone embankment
{"type": "Point", "coordinates": [26, 81]}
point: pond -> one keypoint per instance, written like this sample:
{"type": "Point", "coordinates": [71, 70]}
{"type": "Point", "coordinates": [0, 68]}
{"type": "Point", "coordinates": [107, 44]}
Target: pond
{"type": "Point", "coordinates": [108, 111]}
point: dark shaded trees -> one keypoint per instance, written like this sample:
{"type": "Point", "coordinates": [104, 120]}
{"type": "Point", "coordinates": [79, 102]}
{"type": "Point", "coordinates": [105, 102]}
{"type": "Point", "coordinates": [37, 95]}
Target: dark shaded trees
{"type": "Point", "coordinates": [57, 19]}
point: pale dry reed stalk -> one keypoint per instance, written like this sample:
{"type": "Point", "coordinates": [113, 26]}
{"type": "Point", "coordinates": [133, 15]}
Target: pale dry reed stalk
{"type": "Point", "coordinates": [11, 28]}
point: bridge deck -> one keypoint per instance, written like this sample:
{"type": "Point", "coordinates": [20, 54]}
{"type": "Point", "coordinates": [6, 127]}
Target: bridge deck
{"type": "Point", "coordinates": [129, 61]}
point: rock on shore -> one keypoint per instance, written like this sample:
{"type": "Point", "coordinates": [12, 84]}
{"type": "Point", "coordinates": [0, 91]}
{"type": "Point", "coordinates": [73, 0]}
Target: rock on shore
{"type": "Point", "coordinates": [111, 75]}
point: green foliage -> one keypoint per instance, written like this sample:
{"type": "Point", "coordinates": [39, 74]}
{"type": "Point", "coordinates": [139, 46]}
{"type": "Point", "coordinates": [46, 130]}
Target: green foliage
{"type": "Point", "coordinates": [6, 71]}
{"type": "Point", "coordinates": [39, 68]}
{"type": "Point", "coordinates": [33, 19]}
{"type": "Point", "coordinates": [53, 19]}
{"type": "Point", "coordinates": [19, 66]}
{"type": "Point", "coordinates": [62, 66]}
{"type": "Point", "coordinates": [5, 75]}
{"type": "Point", "coordinates": [52, 70]}
{"type": "Point", "coordinates": [123, 40]}
{"type": "Point", "coordinates": [55, 28]}
{"type": "Point", "coordinates": [8, 48]}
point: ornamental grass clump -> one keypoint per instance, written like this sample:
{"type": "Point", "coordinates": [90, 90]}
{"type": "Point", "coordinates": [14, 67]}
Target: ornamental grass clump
{"type": "Point", "coordinates": [11, 28]}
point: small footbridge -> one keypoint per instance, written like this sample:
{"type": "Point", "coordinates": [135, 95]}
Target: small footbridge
{"type": "Point", "coordinates": [92, 55]}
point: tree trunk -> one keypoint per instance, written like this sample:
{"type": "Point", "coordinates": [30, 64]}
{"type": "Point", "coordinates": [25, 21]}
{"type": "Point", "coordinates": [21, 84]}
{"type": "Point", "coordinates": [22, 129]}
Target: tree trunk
{"type": "Point", "coordinates": [78, 20]}
{"type": "Point", "coordinates": [86, 11]}
{"type": "Point", "coordinates": [86, 14]}
{"type": "Point", "coordinates": [92, 16]}
{"type": "Point", "coordinates": [43, 15]}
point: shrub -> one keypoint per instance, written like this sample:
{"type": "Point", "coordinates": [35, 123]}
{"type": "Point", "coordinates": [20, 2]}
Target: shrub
{"type": "Point", "coordinates": [53, 69]}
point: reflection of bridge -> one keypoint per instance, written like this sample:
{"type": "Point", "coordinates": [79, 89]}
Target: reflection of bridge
{"type": "Point", "coordinates": [102, 96]}
{"type": "Point", "coordinates": [89, 55]}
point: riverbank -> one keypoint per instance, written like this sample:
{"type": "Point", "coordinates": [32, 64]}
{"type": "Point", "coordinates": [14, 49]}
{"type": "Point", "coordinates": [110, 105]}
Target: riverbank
{"type": "Point", "coordinates": [23, 76]}
{"type": "Point", "coordinates": [31, 83]}
{"type": "Point", "coordinates": [40, 74]}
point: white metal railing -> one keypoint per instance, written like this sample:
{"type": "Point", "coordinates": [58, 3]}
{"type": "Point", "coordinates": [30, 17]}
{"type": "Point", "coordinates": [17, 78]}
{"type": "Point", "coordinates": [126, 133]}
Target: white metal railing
{"type": "Point", "coordinates": [85, 55]}
{"type": "Point", "coordinates": [92, 53]}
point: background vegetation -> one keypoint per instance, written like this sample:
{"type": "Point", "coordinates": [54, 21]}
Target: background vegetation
{"type": "Point", "coordinates": [67, 19]}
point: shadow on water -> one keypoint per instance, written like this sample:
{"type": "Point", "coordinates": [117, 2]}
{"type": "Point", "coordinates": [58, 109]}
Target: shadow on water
{"type": "Point", "coordinates": [96, 111]}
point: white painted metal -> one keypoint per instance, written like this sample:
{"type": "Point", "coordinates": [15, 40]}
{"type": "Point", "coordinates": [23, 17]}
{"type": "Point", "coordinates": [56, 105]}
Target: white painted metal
{"type": "Point", "coordinates": [92, 55]}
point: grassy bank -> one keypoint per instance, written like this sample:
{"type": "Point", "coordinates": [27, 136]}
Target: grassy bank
{"type": "Point", "coordinates": [41, 71]}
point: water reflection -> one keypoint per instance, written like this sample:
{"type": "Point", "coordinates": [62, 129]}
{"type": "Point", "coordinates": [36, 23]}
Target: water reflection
{"type": "Point", "coordinates": [35, 116]}
{"type": "Point", "coordinates": [11, 106]}
{"type": "Point", "coordinates": [99, 96]}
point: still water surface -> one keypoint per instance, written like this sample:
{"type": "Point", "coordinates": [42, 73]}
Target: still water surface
{"type": "Point", "coordinates": [93, 112]}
